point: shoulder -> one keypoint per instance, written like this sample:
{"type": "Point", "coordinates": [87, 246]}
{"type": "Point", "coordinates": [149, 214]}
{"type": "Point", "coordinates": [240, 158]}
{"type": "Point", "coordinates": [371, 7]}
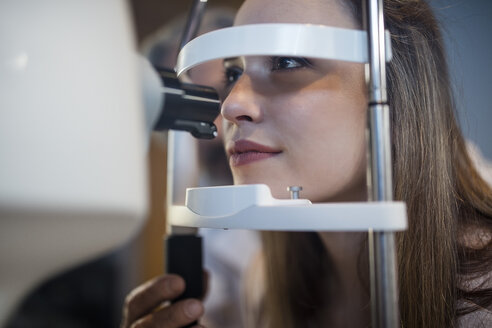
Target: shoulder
{"type": "Point", "coordinates": [482, 317]}
{"type": "Point", "coordinates": [475, 237]}
{"type": "Point", "coordinates": [478, 319]}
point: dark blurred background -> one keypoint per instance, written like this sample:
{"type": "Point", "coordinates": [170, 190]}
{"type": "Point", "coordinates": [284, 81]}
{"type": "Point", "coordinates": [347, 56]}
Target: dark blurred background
{"type": "Point", "coordinates": [92, 294]}
{"type": "Point", "coordinates": [149, 15]}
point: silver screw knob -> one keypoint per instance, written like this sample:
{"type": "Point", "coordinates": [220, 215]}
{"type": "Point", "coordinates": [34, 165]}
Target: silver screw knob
{"type": "Point", "coordinates": [294, 191]}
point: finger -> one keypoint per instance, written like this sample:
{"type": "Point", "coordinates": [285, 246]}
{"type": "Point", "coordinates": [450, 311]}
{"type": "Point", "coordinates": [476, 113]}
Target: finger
{"type": "Point", "coordinates": [177, 315]}
{"type": "Point", "coordinates": [180, 314]}
{"type": "Point", "coordinates": [145, 298]}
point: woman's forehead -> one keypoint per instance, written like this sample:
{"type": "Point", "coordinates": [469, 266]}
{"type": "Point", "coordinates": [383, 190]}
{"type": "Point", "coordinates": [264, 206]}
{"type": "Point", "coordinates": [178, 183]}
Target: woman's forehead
{"type": "Point", "coordinates": [323, 12]}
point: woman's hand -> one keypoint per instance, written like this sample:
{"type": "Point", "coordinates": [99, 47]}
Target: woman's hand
{"type": "Point", "coordinates": [144, 305]}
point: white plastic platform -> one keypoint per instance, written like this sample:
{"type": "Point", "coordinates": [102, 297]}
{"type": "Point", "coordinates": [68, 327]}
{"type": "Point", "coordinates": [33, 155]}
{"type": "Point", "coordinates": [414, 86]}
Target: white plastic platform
{"type": "Point", "coordinates": [252, 207]}
{"type": "Point", "coordinates": [299, 40]}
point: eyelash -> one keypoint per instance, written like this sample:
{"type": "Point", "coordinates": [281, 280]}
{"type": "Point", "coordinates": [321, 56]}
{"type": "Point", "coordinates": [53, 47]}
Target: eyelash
{"type": "Point", "coordinates": [283, 63]}
{"type": "Point", "coordinates": [232, 74]}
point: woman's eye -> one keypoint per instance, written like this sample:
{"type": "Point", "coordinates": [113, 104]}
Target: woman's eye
{"type": "Point", "coordinates": [287, 63]}
{"type": "Point", "coordinates": [232, 74]}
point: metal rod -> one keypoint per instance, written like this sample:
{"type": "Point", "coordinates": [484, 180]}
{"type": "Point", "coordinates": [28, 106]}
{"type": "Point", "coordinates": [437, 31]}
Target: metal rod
{"type": "Point", "coordinates": [377, 51]}
{"type": "Point", "coordinates": [382, 253]}
{"type": "Point", "coordinates": [190, 31]}
{"type": "Point", "coordinates": [193, 22]}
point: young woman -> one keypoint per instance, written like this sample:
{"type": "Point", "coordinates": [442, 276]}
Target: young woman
{"type": "Point", "coordinates": [301, 121]}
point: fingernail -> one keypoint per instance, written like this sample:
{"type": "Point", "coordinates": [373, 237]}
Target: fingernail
{"type": "Point", "coordinates": [193, 309]}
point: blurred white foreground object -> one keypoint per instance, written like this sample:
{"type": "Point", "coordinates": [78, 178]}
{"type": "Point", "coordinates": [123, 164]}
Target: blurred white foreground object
{"type": "Point", "coordinates": [72, 164]}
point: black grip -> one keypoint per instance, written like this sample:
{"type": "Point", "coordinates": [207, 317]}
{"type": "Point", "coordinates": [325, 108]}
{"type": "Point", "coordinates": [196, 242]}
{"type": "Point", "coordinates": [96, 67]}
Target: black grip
{"type": "Point", "coordinates": [184, 258]}
{"type": "Point", "coordinates": [187, 107]}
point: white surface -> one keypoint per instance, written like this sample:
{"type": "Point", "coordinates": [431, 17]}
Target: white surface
{"type": "Point", "coordinates": [299, 40]}
{"type": "Point", "coordinates": [72, 157]}
{"type": "Point", "coordinates": [253, 207]}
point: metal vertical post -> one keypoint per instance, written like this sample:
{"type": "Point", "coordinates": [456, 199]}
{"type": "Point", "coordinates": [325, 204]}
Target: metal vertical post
{"type": "Point", "coordinates": [384, 290]}
{"type": "Point", "coordinates": [193, 23]}
{"type": "Point", "coordinates": [190, 31]}
{"type": "Point", "coordinates": [183, 246]}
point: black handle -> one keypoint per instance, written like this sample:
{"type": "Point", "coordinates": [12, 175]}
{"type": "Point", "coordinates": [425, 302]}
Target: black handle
{"type": "Point", "coordinates": [184, 258]}
{"type": "Point", "coordinates": [187, 107]}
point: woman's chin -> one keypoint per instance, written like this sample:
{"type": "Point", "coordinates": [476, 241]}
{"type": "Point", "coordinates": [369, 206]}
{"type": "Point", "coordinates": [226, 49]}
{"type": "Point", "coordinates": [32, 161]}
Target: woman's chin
{"type": "Point", "coordinates": [278, 190]}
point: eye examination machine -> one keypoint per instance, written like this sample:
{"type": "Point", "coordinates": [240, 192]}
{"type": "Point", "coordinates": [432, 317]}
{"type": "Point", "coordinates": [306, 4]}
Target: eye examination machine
{"type": "Point", "coordinates": [77, 107]}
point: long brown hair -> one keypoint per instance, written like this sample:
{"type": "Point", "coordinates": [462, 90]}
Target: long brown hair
{"type": "Point", "coordinates": [433, 174]}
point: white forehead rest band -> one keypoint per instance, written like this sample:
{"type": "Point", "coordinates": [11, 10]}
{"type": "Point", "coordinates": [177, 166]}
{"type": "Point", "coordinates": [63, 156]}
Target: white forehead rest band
{"type": "Point", "coordinates": [297, 40]}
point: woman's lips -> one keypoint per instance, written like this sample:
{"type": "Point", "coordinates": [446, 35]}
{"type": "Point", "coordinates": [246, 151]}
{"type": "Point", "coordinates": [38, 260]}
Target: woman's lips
{"type": "Point", "coordinates": [239, 159]}
{"type": "Point", "coordinates": [244, 152]}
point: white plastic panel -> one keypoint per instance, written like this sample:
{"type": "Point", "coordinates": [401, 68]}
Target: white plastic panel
{"type": "Point", "coordinates": [73, 170]}
{"type": "Point", "coordinates": [252, 207]}
{"type": "Point", "coordinates": [299, 40]}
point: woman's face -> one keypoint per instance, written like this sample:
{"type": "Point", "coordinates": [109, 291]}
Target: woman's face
{"type": "Point", "coordinates": [297, 121]}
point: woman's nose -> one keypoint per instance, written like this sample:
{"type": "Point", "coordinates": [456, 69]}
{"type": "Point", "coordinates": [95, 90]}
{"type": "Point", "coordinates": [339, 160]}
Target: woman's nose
{"type": "Point", "coordinates": [243, 103]}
